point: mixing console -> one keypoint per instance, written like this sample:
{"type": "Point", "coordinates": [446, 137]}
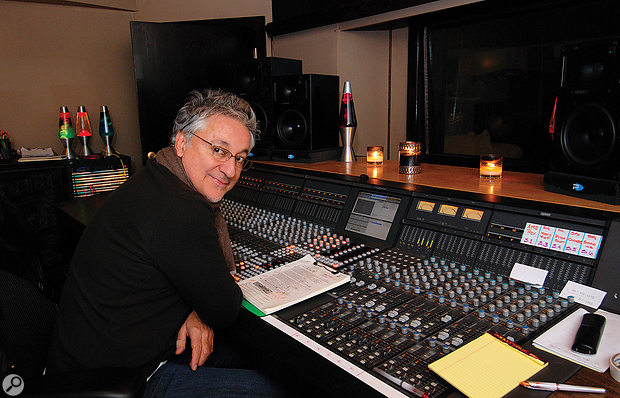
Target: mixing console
{"type": "Point", "coordinates": [419, 289]}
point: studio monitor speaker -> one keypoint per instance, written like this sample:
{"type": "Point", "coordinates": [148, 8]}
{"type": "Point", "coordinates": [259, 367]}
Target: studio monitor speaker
{"type": "Point", "coordinates": [306, 109]}
{"type": "Point", "coordinates": [253, 81]}
{"type": "Point", "coordinates": [586, 139]}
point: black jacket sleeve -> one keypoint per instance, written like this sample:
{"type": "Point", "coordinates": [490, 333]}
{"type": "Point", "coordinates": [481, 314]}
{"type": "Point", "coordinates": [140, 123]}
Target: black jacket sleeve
{"type": "Point", "coordinates": [186, 249]}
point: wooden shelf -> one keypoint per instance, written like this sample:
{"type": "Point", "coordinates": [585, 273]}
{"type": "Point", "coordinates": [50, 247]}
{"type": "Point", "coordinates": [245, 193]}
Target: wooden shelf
{"type": "Point", "coordinates": [525, 186]}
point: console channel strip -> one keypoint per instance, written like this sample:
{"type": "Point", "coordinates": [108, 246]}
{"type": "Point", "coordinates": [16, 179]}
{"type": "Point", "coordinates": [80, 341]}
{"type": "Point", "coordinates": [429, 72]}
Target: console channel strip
{"type": "Point", "coordinates": [262, 240]}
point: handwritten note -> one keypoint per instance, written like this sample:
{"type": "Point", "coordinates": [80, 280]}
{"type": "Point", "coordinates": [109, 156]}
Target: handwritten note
{"type": "Point", "coordinates": [583, 294]}
{"type": "Point", "coordinates": [530, 235]}
{"type": "Point", "coordinates": [563, 240]}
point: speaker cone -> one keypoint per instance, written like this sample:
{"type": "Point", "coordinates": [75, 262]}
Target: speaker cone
{"type": "Point", "coordinates": [292, 127]}
{"type": "Point", "coordinates": [589, 135]}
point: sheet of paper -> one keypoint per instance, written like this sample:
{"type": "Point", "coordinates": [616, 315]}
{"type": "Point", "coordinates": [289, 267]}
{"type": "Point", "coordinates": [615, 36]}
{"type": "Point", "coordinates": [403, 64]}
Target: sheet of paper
{"type": "Point", "coordinates": [527, 274]}
{"type": "Point", "coordinates": [583, 294]}
{"type": "Point", "coordinates": [486, 367]}
{"type": "Point", "coordinates": [290, 284]}
{"type": "Point", "coordinates": [28, 152]}
{"type": "Point", "coordinates": [559, 339]}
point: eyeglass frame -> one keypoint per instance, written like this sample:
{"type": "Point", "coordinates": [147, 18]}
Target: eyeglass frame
{"type": "Point", "coordinates": [245, 166]}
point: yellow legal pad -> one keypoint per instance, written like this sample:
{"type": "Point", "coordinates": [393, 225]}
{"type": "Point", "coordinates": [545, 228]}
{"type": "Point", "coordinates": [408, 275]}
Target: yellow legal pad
{"type": "Point", "coordinates": [487, 367]}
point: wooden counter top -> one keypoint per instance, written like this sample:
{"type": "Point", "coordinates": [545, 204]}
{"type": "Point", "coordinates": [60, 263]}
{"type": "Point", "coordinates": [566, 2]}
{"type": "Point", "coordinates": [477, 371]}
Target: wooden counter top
{"type": "Point", "coordinates": [517, 185]}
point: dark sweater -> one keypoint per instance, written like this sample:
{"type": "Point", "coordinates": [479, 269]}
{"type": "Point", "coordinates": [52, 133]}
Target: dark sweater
{"type": "Point", "coordinates": [149, 256]}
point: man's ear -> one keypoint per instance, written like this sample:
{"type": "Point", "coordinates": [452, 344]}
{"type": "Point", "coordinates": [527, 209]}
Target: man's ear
{"type": "Point", "coordinates": [180, 142]}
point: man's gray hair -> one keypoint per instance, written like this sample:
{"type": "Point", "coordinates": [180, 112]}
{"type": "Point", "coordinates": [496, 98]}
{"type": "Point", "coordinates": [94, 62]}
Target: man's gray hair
{"type": "Point", "coordinates": [202, 104]}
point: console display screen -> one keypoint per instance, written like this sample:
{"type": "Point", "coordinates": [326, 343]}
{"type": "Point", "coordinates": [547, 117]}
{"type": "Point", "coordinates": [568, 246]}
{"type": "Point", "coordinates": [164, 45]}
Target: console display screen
{"type": "Point", "coordinates": [373, 215]}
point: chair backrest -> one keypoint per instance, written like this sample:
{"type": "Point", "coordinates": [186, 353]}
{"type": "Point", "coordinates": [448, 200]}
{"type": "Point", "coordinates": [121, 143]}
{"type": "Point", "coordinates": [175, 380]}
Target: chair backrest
{"type": "Point", "coordinates": [19, 249]}
{"type": "Point", "coordinates": [27, 319]}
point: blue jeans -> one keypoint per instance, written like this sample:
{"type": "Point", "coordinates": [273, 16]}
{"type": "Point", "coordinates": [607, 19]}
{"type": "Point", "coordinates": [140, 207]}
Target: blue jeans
{"type": "Point", "coordinates": [179, 380]}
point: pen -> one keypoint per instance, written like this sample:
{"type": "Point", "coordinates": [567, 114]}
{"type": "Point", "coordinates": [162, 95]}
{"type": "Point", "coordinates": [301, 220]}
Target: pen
{"type": "Point", "coordinates": [541, 385]}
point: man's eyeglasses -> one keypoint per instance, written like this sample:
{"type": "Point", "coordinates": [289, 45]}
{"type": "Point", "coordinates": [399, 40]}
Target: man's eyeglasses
{"type": "Point", "coordinates": [222, 155]}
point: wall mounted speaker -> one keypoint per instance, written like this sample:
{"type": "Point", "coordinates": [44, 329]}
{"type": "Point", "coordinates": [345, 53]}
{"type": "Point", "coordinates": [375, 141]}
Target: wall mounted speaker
{"type": "Point", "coordinates": [586, 139]}
{"type": "Point", "coordinates": [253, 81]}
{"type": "Point", "coordinates": [306, 109]}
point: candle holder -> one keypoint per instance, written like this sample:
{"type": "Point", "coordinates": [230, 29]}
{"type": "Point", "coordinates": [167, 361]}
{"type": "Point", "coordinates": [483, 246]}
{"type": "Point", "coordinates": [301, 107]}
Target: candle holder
{"type": "Point", "coordinates": [409, 157]}
{"type": "Point", "coordinates": [491, 166]}
{"type": "Point", "coordinates": [374, 155]}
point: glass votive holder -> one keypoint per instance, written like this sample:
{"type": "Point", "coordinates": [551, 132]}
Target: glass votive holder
{"type": "Point", "coordinates": [409, 157]}
{"type": "Point", "coordinates": [491, 166]}
{"type": "Point", "coordinates": [374, 155]}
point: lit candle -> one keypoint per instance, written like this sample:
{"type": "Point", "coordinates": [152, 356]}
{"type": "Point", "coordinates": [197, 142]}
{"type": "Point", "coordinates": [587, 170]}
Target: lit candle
{"type": "Point", "coordinates": [408, 157]}
{"type": "Point", "coordinates": [491, 166]}
{"type": "Point", "coordinates": [374, 155]}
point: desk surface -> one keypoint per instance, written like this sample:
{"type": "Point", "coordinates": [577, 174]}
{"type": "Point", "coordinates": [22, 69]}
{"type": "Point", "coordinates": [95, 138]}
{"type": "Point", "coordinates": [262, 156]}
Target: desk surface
{"type": "Point", "coordinates": [516, 185]}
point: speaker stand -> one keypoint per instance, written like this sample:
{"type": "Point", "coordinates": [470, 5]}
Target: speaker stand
{"type": "Point", "coordinates": [597, 189]}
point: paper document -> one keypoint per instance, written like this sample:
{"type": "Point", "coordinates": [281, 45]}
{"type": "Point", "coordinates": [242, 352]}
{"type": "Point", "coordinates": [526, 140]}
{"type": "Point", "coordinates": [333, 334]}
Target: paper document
{"type": "Point", "coordinates": [559, 339]}
{"type": "Point", "coordinates": [290, 284]}
{"type": "Point", "coordinates": [586, 295]}
{"type": "Point", "coordinates": [487, 367]}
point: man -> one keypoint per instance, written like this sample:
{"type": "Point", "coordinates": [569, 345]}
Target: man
{"type": "Point", "coordinates": [153, 266]}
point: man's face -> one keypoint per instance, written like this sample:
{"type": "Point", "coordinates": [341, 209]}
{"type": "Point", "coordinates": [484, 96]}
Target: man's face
{"type": "Point", "coordinates": [211, 177]}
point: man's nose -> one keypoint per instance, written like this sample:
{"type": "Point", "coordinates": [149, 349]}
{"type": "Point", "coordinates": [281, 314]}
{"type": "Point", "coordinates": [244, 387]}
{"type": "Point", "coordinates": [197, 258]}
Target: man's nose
{"type": "Point", "coordinates": [229, 168]}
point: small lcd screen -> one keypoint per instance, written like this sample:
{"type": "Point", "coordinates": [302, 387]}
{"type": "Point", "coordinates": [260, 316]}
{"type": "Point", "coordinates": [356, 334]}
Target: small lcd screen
{"type": "Point", "coordinates": [373, 215]}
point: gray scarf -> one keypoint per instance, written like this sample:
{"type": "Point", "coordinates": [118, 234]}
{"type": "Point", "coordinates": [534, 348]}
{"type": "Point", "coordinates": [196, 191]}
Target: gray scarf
{"type": "Point", "coordinates": [168, 158]}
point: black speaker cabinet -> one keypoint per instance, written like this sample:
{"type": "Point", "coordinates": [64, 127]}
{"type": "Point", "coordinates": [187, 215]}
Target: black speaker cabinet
{"type": "Point", "coordinates": [586, 140]}
{"type": "Point", "coordinates": [306, 112]}
{"type": "Point", "coordinates": [253, 81]}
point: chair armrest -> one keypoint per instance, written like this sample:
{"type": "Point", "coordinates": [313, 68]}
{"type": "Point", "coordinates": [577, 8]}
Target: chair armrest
{"type": "Point", "coordinates": [94, 383]}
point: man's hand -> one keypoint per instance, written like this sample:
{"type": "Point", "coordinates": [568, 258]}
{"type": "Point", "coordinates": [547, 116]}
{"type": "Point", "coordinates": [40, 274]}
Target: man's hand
{"type": "Point", "coordinates": [201, 337]}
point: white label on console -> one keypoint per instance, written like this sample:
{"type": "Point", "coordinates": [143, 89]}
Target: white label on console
{"type": "Point", "coordinates": [559, 239]}
{"type": "Point", "coordinates": [583, 294]}
{"type": "Point", "coordinates": [545, 236]}
{"type": "Point", "coordinates": [530, 234]}
{"type": "Point", "coordinates": [527, 274]}
{"type": "Point", "coordinates": [573, 243]}
{"type": "Point", "coordinates": [590, 245]}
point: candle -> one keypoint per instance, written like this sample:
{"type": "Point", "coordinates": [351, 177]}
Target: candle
{"type": "Point", "coordinates": [408, 157]}
{"type": "Point", "coordinates": [491, 166]}
{"type": "Point", "coordinates": [374, 155]}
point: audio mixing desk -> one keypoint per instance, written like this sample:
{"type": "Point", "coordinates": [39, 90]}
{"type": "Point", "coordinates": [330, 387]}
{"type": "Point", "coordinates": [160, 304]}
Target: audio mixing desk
{"type": "Point", "coordinates": [429, 258]}
{"type": "Point", "coordinates": [429, 269]}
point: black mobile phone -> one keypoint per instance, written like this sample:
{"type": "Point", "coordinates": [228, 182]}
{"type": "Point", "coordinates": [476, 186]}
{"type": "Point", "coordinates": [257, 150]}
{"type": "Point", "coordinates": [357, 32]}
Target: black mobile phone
{"type": "Point", "coordinates": [589, 334]}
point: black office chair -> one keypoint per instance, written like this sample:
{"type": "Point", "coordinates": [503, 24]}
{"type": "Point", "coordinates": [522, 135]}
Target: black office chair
{"type": "Point", "coordinates": [26, 321]}
{"type": "Point", "coordinates": [27, 318]}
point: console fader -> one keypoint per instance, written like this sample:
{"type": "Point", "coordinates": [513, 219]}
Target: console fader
{"type": "Point", "coordinates": [428, 274]}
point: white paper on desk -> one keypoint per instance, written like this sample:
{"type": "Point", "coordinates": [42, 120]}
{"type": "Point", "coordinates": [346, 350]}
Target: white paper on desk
{"type": "Point", "coordinates": [290, 284]}
{"type": "Point", "coordinates": [586, 295]}
{"type": "Point", "coordinates": [527, 274]}
{"type": "Point", "coordinates": [33, 152]}
{"type": "Point", "coordinates": [559, 339]}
